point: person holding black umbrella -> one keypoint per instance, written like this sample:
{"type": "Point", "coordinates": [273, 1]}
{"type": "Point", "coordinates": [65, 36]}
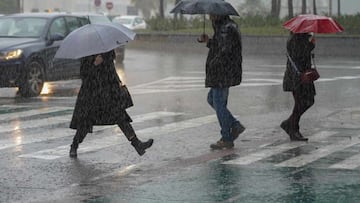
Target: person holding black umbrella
{"type": "Point", "coordinates": [223, 70]}
{"type": "Point", "coordinates": [102, 101]}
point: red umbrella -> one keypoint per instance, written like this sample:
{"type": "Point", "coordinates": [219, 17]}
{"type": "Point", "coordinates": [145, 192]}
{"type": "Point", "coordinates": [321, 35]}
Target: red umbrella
{"type": "Point", "coordinates": [313, 23]}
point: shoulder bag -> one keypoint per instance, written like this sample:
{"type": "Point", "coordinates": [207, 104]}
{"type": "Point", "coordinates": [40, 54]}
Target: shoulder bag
{"type": "Point", "coordinates": [309, 75]}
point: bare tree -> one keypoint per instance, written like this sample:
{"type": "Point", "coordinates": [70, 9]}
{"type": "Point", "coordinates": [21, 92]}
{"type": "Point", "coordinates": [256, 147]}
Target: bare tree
{"type": "Point", "coordinates": [161, 9]}
{"type": "Point", "coordinates": [253, 8]}
{"type": "Point", "coordinates": [291, 8]}
{"type": "Point", "coordinates": [314, 7]}
{"type": "Point", "coordinates": [303, 7]}
{"type": "Point", "coordinates": [275, 8]}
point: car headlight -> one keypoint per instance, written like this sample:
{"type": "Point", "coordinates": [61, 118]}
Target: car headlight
{"type": "Point", "coordinates": [14, 54]}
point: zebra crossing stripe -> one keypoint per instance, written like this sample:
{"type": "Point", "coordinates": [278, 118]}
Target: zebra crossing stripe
{"type": "Point", "coordinates": [107, 141]}
{"type": "Point", "coordinates": [317, 154]}
{"type": "Point", "coordinates": [42, 122]}
{"type": "Point", "coordinates": [349, 163]}
{"type": "Point", "coordinates": [17, 115]}
{"type": "Point", "coordinates": [268, 152]}
{"type": "Point", "coordinates": [63, 132]}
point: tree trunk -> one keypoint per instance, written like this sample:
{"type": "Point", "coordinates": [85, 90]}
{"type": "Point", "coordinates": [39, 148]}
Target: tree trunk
{"type": "Point", "coordinates": [161, 9]}
{"type": "Point", "coordinates": [278, 9]}
{"type": "Point", "coordinates": [314, 7]}
{"type": "Point", "coordinates": [275, 8]}
{"type": "Point", "coordinates": [291, 8]}
{"type": "Point", "coordinates": [303, 7]}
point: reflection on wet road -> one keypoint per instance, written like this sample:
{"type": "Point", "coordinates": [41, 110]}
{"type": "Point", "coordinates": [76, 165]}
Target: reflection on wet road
{"type": "Point", "coordinates": [170, 106]}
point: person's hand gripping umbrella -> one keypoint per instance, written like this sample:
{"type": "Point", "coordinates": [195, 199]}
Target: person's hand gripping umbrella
{"type": "Point", "coordinates": [212, 7]}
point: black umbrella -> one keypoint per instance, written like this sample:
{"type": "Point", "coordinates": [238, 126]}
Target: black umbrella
{"type": "Point", "coordinates": [213, 7]}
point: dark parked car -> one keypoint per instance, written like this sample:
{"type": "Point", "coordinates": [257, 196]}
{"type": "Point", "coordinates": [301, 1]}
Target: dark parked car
{"type": "Point", "coordinates": [28, 43]}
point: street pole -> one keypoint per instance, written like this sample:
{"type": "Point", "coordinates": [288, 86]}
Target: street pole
{"type": "Point", "coordinates": [330, 7]}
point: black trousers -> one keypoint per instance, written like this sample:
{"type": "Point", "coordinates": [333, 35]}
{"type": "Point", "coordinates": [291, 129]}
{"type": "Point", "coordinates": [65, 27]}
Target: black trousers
{"type": "Point", "coordinates": [302, 103]}
{"type": "Point", "coordinates": [125, 127]}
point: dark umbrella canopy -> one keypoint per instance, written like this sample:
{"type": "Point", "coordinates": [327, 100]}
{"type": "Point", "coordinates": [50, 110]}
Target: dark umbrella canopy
{"type": "Point", "coordinates": [214, 7]}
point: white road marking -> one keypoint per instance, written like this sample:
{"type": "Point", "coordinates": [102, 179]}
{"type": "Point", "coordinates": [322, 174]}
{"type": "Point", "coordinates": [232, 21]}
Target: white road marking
{"type": "Point", "coordinates": [22, 114]}
{"type": "Point", "coordinates": [19, 125]}
{"type": "Point", "coordinates": [319, 153]}
{"type": "Point", "coordinates": [268, 152]}
{"type": "Point", "coordinates": [349, 163]}
{"type": "Point", "coordinates": [28, 138]}
{"type": "Point", "coordinates": [96, 144]}
{"type": "Point", "coordinates": [180, 84]}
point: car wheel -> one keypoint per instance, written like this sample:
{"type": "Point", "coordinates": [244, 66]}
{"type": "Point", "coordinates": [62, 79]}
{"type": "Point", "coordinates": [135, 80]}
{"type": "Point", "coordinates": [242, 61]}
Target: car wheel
{"type": "Point", "coordinates": [33, 80]}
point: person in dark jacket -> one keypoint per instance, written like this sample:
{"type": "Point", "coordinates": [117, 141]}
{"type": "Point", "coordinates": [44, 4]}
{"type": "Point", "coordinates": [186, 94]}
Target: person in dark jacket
{"type": "Point", "coordinates": [299, 48]}
{"type": "Point", "coordinates": [100, 102]}
{"type": "Point", "coordinates": [223, 70]}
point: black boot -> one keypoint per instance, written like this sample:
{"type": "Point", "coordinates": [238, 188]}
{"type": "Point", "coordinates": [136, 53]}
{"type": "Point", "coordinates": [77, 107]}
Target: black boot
{"type": "Point", "coordinates": [285, 125]}
{"type": "Point", "coordinates": [297, 136]}
{"type": "Point", "coordinates": [73, 150]}
{"type": "Point", "coordinates": [141, 146]}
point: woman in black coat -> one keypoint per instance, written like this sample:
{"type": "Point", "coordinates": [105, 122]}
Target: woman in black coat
{"type": "Point", "coordinates": [299, 48]}
{"type": "Point", "coordinates": [100, 102]}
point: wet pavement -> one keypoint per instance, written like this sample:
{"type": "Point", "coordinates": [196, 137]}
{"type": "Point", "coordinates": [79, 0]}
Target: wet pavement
{"type": "Point", "coordinates": [170, 106]}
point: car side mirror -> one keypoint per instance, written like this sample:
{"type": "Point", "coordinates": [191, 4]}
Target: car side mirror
{"type": "Point", "coordinates": [55, 37]}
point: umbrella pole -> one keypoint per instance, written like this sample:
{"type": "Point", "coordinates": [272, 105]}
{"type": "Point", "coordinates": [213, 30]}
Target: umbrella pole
{"type": "Point", "coordinates": [204, 25]}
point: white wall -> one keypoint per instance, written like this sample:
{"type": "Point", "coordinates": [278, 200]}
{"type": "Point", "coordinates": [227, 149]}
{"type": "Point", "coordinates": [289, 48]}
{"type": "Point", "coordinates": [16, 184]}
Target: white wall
{"type": "Point", "coordinates": [120, 6]}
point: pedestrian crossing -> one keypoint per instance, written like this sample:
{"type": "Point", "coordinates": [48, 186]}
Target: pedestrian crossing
{"type": "Point", "coordinates": [195, 83]}
{"type": "Point", "coordinates": [307, 157]}
{"type": "Point", "coordinates": [16, 129]}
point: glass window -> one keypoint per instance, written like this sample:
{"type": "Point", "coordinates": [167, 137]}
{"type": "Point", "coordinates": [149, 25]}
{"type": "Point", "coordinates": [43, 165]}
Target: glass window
{"type": "Point", "coordinates": [73, 23]}
{"type": "Point", "coordinates": [22, 27]}
{"type": "Point", "coordinates": [58, 26]}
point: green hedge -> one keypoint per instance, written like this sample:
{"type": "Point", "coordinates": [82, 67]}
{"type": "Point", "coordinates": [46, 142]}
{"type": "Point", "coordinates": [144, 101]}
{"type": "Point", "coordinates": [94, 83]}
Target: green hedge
{"type": "Point", "coordinates": [351, 23]}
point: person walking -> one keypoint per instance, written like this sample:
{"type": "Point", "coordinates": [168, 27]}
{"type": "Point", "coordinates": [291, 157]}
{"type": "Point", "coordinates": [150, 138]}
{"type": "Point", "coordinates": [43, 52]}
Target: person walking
{"type": "Point", "coordinates": [223, 70]}
{"type": "Point", "coordinates": [299, 47]}
{"type": "Point", "coordinates": [100, 102]}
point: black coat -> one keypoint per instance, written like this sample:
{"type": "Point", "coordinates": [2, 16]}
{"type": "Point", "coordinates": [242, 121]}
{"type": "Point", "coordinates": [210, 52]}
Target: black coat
{"type": "Point", "coordinates": [99, 101]}
{"type": "Point", "coordinates": [224, 60]}
{"type": "Point", "coordinates": [299, 49]}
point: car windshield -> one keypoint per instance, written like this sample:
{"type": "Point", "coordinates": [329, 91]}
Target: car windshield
{"type": "Point", "coordinates": [123, 20]}
{"type": "Point", "coordinates": [21, 27]}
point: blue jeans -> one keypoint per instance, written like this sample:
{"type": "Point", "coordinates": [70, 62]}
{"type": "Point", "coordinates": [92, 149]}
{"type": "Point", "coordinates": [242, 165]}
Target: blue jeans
{"type": "Point", "coordinates": [218, 98]}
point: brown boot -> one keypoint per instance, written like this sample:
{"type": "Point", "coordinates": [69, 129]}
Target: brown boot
{"type": "Point", "coordinates": [139, 146]}
{"type": "Point", "coordinates": [222, 144]}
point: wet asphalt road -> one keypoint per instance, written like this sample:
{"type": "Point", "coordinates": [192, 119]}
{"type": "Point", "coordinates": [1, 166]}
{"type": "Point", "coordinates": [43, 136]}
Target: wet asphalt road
{"type": "Point", "coordinates": [167, 84]}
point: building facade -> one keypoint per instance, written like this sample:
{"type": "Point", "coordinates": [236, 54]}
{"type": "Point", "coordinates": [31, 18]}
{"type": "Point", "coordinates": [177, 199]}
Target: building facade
{"type": "Point", "coordinates": [120, 7]}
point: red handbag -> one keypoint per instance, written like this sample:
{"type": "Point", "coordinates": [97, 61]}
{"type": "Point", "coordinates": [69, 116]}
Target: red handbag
{"type": "Point", "coordinates": [310, 75]}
